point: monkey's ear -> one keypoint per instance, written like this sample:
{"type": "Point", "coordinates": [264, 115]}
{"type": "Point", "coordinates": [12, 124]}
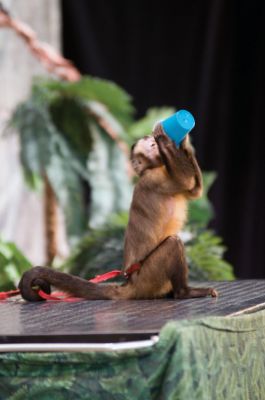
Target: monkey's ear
{"type": "Point", "coordinates": [137, 165]}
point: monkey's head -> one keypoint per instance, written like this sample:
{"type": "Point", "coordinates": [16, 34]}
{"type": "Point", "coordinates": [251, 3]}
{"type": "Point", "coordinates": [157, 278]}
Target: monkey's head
{"type": "Point", "coordinates": [145, 155]}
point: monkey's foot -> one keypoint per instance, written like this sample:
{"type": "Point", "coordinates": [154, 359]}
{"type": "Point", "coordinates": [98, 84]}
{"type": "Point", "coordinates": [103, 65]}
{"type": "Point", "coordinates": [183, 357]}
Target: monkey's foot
{"type": "Point", "coordinates": [190, 293]}
{"type": "Point", "coordinates": [214, 292]}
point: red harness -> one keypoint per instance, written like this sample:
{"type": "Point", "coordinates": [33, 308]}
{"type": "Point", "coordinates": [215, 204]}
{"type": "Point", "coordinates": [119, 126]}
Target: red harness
{"type": "Point", "coordinates": [116, 272]}
{"type": "Point", "coordinates": [61, 296]}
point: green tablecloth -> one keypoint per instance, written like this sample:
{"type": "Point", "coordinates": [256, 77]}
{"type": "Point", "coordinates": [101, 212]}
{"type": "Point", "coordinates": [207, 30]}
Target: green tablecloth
{"type": "Point", "coordinates": [212, 358]}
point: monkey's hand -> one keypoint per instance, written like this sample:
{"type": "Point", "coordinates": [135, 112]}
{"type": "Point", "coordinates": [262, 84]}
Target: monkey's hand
{"type": "Point", "coordinates": [173, 157]}
{"type": "Point", "coordinates": [180, 163]}
{"type": "Point", "coordinates": [186, 146]}
{"type": "Point", "coordinates": [160, 136]}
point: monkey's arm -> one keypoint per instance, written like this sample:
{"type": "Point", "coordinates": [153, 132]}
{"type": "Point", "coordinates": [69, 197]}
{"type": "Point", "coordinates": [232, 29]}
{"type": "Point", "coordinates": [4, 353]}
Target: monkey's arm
{"type": "Point", "coordinates": [198, 187]}
{"type": "Point", "coordinates": [180, 164]}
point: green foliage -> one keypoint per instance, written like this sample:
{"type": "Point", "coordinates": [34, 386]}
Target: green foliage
{"type": "Point", "coordinates": [205, 257]}
{"type": "Point", "coordinates": [144, 126]}
{"type": "Point", "coordinates": [71, 117]}
{"type": "Point", "coordinates": [111, 188]}
{"type": "Point", "coordinates": [60, 136]}
{"type": "Point", "coordinates": [44, 149]}
{"type": "Point", "coordinates": [65, 178]}
{"type": "Point", "coordinates": [117, 101]}
{"type": "Point", "coordinates": [12, 265]}
{"type": "Point", "coordinates": [99, 252]}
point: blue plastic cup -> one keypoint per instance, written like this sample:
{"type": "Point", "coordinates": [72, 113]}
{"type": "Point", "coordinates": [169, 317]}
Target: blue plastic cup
{"type": "Point", "coordinates": [178, 125]}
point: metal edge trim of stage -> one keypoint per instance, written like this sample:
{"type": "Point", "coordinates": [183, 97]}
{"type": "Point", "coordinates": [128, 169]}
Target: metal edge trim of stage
{"type": "Point", "coordinates": [78, 347]}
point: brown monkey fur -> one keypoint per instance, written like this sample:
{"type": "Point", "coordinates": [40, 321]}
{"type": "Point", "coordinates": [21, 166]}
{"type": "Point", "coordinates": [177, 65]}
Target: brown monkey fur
{"type": "Point", "coordinates": [168, 178]}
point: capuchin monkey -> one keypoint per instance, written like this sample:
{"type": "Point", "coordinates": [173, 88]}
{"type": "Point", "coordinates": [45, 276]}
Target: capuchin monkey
{"type": "Point", "coordinates": [168, 178]}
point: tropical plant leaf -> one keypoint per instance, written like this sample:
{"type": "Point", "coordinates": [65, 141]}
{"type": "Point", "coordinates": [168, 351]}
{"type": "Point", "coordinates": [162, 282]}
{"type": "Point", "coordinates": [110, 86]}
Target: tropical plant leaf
{"type": "Point", "coordinates": [118, 102]}
{"type": "Point", "coordinates": [99, 252]}
{"type": "Point", "coordinates": [205, 253]}
{"type": "Point", "coordinates": [68, 188]}
{"type": "Point", "coordinates": [98, 111]}
{"type": "Point", "coordinates": [12, 265]}
{"type": "Point", "coordinates": [36, 131]}
{"type": "Point", "coordinates": [111, 187]}
{"type": "Point", "coordinates": [145, 125]}
{"type": "Point", "coordinates": [71, 119]}
{"type": "Point", "coordinates": [44, 148]}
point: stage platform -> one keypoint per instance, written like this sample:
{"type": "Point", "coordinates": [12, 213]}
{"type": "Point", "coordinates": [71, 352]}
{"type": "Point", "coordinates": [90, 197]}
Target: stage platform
{"type": "Point", "coordinates": [136, 350]}
{"type": "Point", "coordinates": [118, 321]}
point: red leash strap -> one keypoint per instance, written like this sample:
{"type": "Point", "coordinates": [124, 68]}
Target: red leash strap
{"type": "Point", "coordinates": [132, 269]}
{"type": "Point", "coordinates": [61, 296]}
{"type": "Point", "coordinates": [6, 295]}
{"type": "Point", "coordinates": [106, 276]}
{"type": "Point", "coordinates": [58, 296]}
{"type": "Point", "coordinates": [115, 273]}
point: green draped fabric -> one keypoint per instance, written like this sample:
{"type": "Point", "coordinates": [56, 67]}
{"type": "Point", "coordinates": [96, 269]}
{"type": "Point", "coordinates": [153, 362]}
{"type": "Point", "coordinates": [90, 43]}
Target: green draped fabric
{"type": "Point", "coordinates": [211, 358]}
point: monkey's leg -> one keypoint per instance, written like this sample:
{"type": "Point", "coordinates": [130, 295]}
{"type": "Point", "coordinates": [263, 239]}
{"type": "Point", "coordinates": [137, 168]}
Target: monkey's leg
{"type": "Point", "coordinates": [179, 275]}
{"type": "Point", "coordinates": [164, 271]}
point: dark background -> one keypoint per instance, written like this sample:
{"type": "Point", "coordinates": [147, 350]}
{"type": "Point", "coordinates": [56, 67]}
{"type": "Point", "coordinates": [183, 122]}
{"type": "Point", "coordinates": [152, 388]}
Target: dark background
{"type": "Point", "coordinates": [207, 57]}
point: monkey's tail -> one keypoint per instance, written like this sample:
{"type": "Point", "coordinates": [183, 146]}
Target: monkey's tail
{"type": "Point", "coordinates": [45, 277]}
